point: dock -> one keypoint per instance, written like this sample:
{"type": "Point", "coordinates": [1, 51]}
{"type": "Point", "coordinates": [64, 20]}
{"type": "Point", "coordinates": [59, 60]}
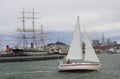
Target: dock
{"type": "Point", "coordinates": [29, 58]}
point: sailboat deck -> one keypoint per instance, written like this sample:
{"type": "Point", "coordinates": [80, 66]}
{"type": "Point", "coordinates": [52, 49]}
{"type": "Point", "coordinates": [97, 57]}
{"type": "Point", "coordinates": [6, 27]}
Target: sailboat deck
{"type": "Point", "coordinates": [80, 64]}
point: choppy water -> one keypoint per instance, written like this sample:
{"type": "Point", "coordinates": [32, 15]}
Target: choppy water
{"type": "Point", "coordinates": [47, 69]}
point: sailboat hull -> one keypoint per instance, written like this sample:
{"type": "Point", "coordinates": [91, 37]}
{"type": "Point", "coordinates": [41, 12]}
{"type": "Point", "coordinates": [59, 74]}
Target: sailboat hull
{"type": "Point", "coordinates": [78, 66]}
{"type": "Point", "coordinates": [75, 53]}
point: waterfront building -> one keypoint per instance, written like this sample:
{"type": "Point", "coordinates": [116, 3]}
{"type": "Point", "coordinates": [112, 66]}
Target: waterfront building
{"type": "Point", "coordinates": [103, 40]}
{"type": "Point", "coordinates": [95, 42]}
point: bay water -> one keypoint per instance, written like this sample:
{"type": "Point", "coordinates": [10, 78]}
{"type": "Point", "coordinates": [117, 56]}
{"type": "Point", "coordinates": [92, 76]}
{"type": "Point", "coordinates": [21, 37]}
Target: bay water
{"type": "Point", "coordinates": [47, 69]}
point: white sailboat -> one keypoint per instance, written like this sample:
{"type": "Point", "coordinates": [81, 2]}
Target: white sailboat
{"type": "Point", "coordinates": [80, 61]}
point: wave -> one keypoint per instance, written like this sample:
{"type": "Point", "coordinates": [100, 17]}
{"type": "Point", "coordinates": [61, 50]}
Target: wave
{"type": "Point", "coordinates": [26, 72]}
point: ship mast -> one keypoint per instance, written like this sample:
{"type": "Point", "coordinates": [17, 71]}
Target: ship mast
{"type": "Point", "coordinates": [23, 32]}
{"type": "Point", "coordinates": [33, 30]}
{"type": "Point", "coordinates": [42, 43]}
{"type": "Point", "coordinates": [34, 42]}
{"type": "Point", "coordinates": [23, 28]}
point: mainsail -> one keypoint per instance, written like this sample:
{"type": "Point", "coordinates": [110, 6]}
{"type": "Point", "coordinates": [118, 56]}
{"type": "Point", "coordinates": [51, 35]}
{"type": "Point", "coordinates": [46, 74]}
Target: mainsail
{"type": "Point", "coordinates": [75, 51]}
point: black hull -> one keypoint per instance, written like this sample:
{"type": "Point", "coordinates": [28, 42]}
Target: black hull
{"type": "Point", "coordinates": [26, 52]}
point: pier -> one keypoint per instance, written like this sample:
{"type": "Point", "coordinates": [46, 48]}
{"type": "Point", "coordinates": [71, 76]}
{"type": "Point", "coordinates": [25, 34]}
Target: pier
{"type": "Point", "coordinates": [29, 58]}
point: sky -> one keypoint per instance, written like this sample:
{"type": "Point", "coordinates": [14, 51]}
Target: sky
{"type": "Point", "coordinates": [97, 16]}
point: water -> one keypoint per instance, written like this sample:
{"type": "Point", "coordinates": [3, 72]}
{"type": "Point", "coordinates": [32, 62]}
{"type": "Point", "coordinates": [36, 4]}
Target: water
{"type": "Point", "coordinates": [47, 69]}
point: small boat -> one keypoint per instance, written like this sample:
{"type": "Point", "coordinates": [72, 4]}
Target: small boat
{"type": "Point", "coordinates": [75, 59]}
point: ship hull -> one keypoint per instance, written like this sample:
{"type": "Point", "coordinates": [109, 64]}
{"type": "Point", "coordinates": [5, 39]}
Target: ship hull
{"type": "Point", "coordinates": [27, 52]}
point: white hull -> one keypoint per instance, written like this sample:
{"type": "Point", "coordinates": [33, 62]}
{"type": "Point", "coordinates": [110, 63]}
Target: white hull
{"type": "Point", "coordinates": [78, 66]}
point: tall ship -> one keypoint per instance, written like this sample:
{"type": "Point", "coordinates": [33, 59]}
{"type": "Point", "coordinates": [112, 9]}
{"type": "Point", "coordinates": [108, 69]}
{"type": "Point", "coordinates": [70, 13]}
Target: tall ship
{"type": "Point", "coordinates": [32, 41]}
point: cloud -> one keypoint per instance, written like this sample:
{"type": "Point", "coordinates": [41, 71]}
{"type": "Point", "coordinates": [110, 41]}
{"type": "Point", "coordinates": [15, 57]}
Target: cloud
{"type": "Point", "coordinates": [60, 15]}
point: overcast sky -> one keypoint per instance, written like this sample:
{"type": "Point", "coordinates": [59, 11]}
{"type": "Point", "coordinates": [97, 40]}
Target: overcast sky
{"type": "Point", "coordinates": [98, 16]}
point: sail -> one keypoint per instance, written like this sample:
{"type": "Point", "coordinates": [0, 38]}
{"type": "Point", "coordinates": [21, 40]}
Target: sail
{"type": "Point", "coordinates": [75, 50]}
{"type": "Point", "coordinates": [90, 54]}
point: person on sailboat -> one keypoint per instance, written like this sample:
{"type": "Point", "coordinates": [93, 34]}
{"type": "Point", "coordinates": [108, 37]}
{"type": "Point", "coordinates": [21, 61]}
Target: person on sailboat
{"type": "Point", "coordinates": [68, 61]}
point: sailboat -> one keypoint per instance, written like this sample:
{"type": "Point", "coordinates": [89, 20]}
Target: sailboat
{"type": "Point", "coordinates": [75, 59]}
